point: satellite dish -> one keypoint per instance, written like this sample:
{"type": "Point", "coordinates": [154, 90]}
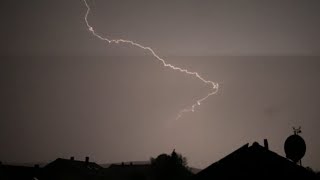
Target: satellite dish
{"type": "Point", "coordinates": [295, 147]}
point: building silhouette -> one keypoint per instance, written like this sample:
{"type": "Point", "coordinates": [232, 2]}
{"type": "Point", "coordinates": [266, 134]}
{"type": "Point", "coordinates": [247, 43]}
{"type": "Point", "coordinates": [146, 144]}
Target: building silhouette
{"type": "Point", "coordinates": [254, 162]}
{"type": "Point", "coordinates": [247, 162]}
{"type": "Point", "coordinates": [11, 172]}
{"type": "Point", "coordinates": [71, 169]}
{"type": "Point", "coordinates": [129, 171]}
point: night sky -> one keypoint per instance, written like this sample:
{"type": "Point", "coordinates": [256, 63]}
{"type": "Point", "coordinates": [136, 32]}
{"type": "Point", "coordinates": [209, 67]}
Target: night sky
{"type": "Point", "coordinates": [65, 93]}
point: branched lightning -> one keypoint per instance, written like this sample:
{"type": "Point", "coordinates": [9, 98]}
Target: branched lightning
{"type": "Point", "coordinates": [214, 86]}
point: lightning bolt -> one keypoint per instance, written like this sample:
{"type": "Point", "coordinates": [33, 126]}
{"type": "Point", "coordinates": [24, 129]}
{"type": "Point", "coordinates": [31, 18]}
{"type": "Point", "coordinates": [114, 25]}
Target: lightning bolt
{"type": "Point", "coordinates": [214, 86]}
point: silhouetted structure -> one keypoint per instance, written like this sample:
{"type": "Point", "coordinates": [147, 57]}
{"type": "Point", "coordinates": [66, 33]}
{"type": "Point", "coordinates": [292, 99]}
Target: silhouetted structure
{"type": "Point", "coordinates": [61, 169]}
{"type": "Point", "coordinates": [9, 172]}
{"type": "Point", "coordinates": [164, 167]}
{"type": "Point", "coordinates": [254, 162]}
{"type": "Point", "coordinates": [294, 146]}
{"type": "Point", "coordinates": [129, 172]}
{"type": "Point", "coordinates": [248, 162]}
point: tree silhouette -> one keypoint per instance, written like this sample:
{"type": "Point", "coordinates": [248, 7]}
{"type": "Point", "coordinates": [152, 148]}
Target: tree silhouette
{"type": "Point", "coordinates": [172, 166]}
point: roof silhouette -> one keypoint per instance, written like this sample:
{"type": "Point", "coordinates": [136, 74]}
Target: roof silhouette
{"type": "Point", "coordinates": [72, 169]}
{"type": "Point", "coordinates": [252, 162]}
{"type": "Point", "coordinates": [73, 165]}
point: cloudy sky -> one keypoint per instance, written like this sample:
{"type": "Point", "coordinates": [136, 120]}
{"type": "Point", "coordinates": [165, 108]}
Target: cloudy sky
{"type": "Point", "coordinates": [66, 93]}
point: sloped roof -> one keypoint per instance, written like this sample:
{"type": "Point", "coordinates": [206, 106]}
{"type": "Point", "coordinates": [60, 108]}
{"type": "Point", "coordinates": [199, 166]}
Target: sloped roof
{"type": "Point", "coordinates": [72, 169]}
{"type": "Point", "coordinates": [73, 164]}
{"type": "Point", "coordinates": [254, 162]}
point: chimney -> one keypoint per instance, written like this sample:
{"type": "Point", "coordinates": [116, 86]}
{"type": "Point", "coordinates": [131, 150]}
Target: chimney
{"type": "Point", "coordinates": [266, 145]}
{"type": "Point", "coordinates": [72, 158]}
{"type": "Point", "coordinates": [87, 160]}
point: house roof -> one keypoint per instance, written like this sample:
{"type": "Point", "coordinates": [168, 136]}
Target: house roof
{"type": "Point", "coordinates": [69, 166]}
{"type": "Point", "coordinates": [252, 162]}
{"type": "Point", "coordinates": [68, 163]}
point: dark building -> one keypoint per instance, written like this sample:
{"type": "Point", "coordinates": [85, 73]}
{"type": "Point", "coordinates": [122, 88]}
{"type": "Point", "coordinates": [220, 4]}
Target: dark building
{"type": "Point", "coordinates": [129, 172]}
{"type": "Point", "coordinates": [71, 169]}
{"type": "Point", "coordinates": [254, 162]}
{"type": "Point", "coordinates": [247, 162]}
{"type": "Point", "coordinates": [10, 172]}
